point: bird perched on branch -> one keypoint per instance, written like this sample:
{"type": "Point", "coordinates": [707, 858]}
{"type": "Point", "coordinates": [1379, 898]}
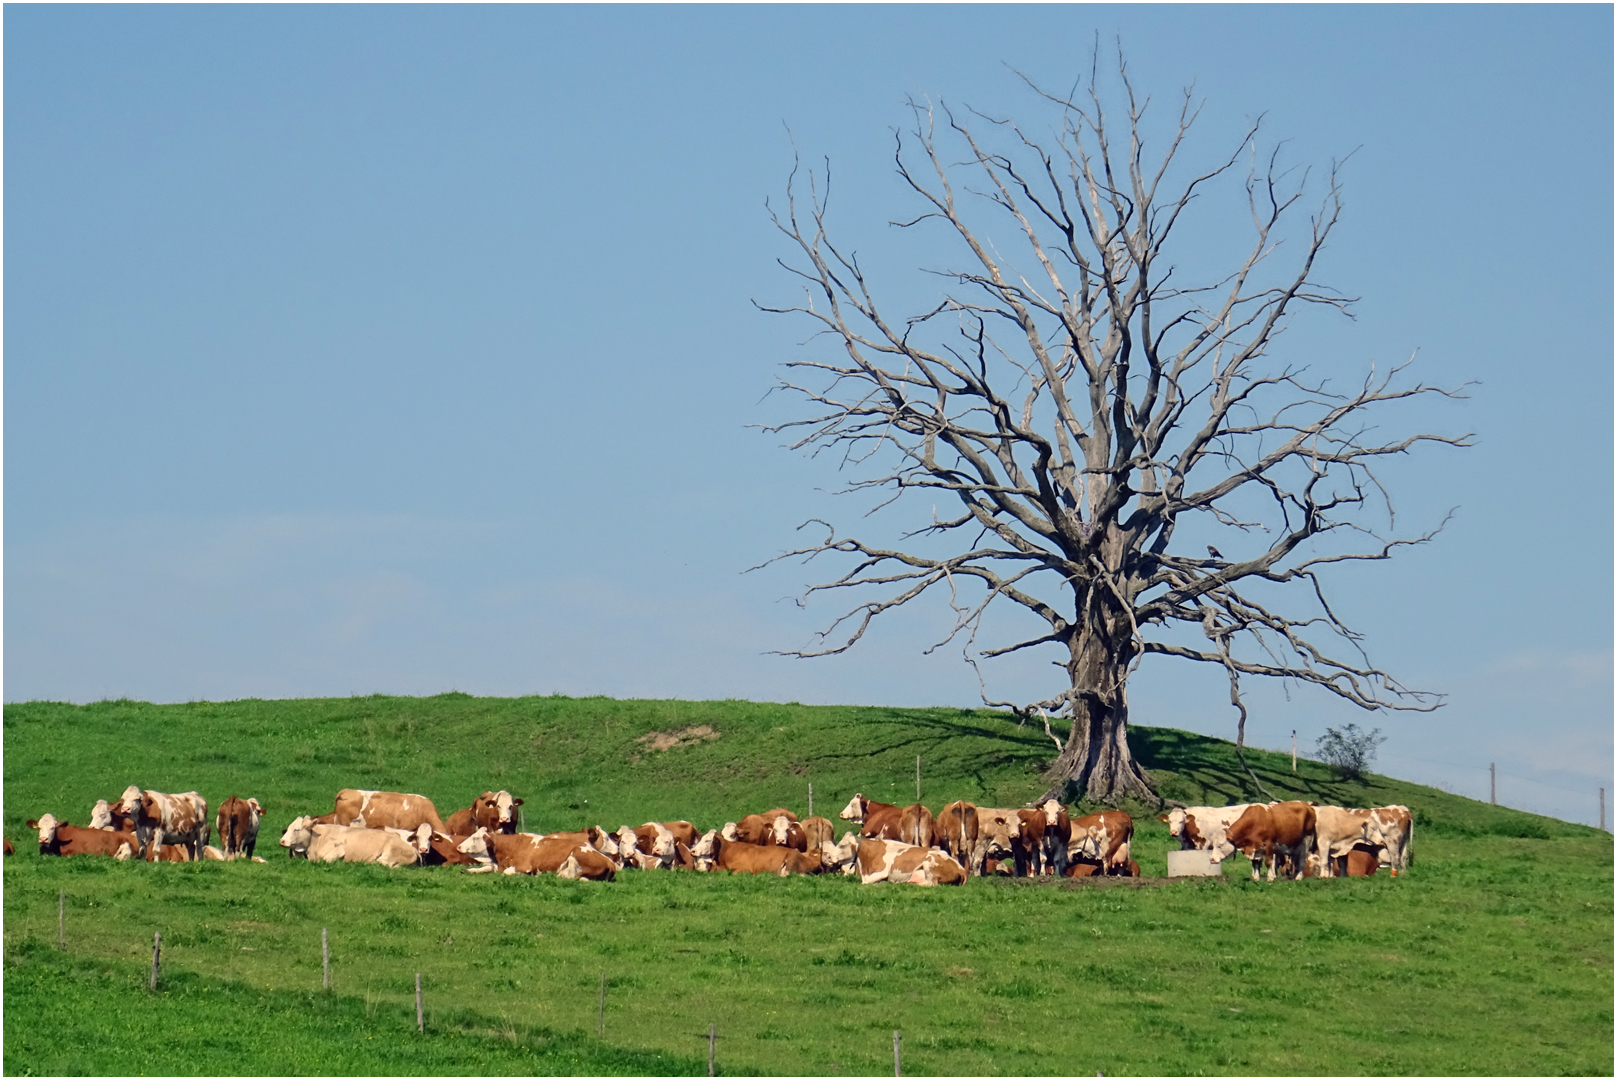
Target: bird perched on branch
{"type": "Point", "coordinates": [1214, 552]}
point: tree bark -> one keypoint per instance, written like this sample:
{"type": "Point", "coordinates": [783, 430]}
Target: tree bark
{"type": "Point", "coordinates": [1096, 759]}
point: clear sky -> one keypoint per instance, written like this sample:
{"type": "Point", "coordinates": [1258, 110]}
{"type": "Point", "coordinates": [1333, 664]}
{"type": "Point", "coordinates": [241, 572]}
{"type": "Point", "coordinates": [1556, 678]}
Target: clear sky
{"type": "Point", "coordinates": [406, 349]}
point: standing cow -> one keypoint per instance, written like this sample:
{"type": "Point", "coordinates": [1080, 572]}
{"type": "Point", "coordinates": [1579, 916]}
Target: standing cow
{"type": "Point", "coordinates": [181, 819]}
{"type": "Point", "coordinates": [238, 827]}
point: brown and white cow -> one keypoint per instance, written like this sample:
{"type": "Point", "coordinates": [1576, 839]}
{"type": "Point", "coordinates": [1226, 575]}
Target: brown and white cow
{"type": "Point", "coordinates": [651, 846]}
{"type": "Point", "coordinates": [1264, 833]}
{"type": "Point", "coordinates": [60, 838]}
{"type": "Point", "coordinates": [1202, 828]}
{"type": "Point", "coordinates": [1397, 827]}
{"type": "Point", "coordinates": [816, 831]}
{"type": "Point", "coordinates": [531, 853]}
{"type": "Point", "coordinates": [714, 852]}
{"type": "Point", "coordinates": [352, 844]}
{"type": "Point", "coordinates": [495, 811]}
{"type": "Point", "coordinates": [1362, 861]}
{"type": "Point", "coordinates": [1103, 840]}
{"type": "Point", "coordinates": [386, 810]}
{"type": "Point", "coordinates": [998, 835]}
{"type": "Point", "coordinates": [160, 818]}
{"type": "Point", "coordinates": [893, 860]}
{"type": "Point", "coordinates": [955, 831]}
{"type": "Point", "coordinates": [756, 828]}
{"type": "Point", "coordinates": [443, 849]}
{"type": "Point", "coordinates": [1057, 837]}
{"type": "Point", "coordinates": [238, 827]}
{"type": "Point", "coordinates": [1027, 849]}
{"type": "Point", "coordinates": [1338, 831]}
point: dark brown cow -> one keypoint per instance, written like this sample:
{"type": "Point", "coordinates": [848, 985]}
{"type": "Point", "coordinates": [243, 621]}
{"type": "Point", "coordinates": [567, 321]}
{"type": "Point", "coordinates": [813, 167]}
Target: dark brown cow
{"type": "Point", "coordinates": [444, 850]}
{"type": "Point", "coordinates": [741, 858]}
{"type": "Point", "coordinates": [60, 838]}
{"type": "Point", "coordinates": [495, 811]}
{"type": "Point", "coordinates": [8, 848]}
{"type": "Point", "coordinates": [1263, 833]}
{"type": "Point", "coordinates": [238, 827]}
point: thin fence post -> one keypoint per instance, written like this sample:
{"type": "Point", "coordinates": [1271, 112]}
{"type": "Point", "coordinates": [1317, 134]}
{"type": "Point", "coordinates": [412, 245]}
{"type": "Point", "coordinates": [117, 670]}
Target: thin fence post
{"type": "Point", "coordinates": [600, 1019]}
{"type": "Point", "coordinates": [712, 1036]}
{"type": "Point", "coordinates": [917, 777]}
{"type": "Point", "coordinates": [1293, 749]}
{"type": "Point", "coordinates": [61, 899]}
{"type": "Point", "coordinates": [325, 960]}
{"type": "Point", "coordinates": [420, 1016]}
{"type": "Point", "coordinates": [1602, 812]}
{"type": "Point", "coordinates": [1493, 787]}
{"type": "Point", "coordinates": [897, 1068]}
{"type": "Point", "coordinates": [157, 952]}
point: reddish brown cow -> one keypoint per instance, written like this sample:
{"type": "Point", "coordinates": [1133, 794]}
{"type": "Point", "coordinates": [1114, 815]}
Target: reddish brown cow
{"type": "Point", "coordinates": [8, 848]}
{"type": "Point", "coordinates": [817, 831]}
{"type": "Point", "coordinates": [495, 811]}
{"type": "Point", "coordinates": [530, 853]}
{"type": "Point", "coordinates": [238, 827]}
{"type": "Point", "coordinates": [955, 831]}
{"type": "Point", "coordinates": [60, 838]}
{"type": "Point", "coordinates": [758, 828]}
{"type": "Point", "coordinates": [1027, 848]}
{"type": "Point", "coordinates": [1264, 832]}
{"type": "Point", "coordinates": [909, 824]}
{"type": "Point", "coordinates": [741, 858]}
{"type": "Point", "coordinates": [444, 850]}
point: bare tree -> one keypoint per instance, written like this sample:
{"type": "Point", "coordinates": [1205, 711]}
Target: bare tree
{"type": "Point", "coordinates": [1080, 401]}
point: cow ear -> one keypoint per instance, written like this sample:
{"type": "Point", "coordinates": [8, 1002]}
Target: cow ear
{"type": "Point", "coordinates": [516, 802]}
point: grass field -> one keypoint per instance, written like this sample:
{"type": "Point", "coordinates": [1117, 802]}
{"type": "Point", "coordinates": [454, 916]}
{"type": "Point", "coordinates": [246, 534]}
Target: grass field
{"type": "Point", "coordinates": [1493, 955]}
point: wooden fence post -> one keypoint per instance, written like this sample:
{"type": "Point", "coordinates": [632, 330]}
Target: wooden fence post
{"type": "Point", "coordinates": [897, 1069]}
{"type": "Point", "coordinates": [325, 960]}
{"type": "Point", "coordinates": [917, 777]}
{"type": "Point", "coordinates": [712, 1035]}
{"type": "Point", "coordinates": [420, 1016]}
{"type": "Point", "coordinates": [1602, 815]}
{"type": "Point", "coordinates": [1293, 749]}
{"type": "Point", "coordinates": [1493, 788]}
{"type": "Point", "coordinates": [157, 951]}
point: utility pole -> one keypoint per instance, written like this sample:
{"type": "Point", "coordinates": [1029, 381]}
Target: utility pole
{"type": "Point", "coordinates": [1493, 786]}
{"type": "Point", "coordinates": [1602, 809]}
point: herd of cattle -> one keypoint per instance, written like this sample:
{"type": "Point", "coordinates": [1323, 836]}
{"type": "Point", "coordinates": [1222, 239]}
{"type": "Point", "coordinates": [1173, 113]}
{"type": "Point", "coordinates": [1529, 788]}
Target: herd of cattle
{"type": "Point", "coordinates": [891, 843]}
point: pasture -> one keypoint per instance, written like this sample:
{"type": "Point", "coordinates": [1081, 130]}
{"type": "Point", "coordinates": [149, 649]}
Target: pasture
{"type": "Point", "coordinates": [1493, 955]}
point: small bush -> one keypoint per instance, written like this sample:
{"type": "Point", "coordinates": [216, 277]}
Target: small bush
{"type": "Point", "coordinates": [1349, 751]}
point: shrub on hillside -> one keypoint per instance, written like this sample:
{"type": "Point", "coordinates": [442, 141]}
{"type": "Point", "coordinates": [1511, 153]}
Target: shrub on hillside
{"type": "Point", "coordinates": [1350, 750]}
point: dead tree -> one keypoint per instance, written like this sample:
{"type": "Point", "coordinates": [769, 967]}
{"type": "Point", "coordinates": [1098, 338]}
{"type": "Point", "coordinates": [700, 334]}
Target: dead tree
{"type": "Point", "coordinates": [1081, 402]}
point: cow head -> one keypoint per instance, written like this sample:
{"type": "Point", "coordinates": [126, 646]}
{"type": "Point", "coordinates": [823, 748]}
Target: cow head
{"type": "Point", "coordinates": [997, 829]}
{"type": "Point", "coordinates": [101, 815]}
{"type": "Point", "coordinates": [843, 854]}
{"type": "Point", "coordinates": [253, 804]}
{"type": "Point", "coordinates": [601, 840]}
{"type": "Point", "coordinates": [1052, 813]}
{"type": "Point", "coordinates": [478, 846]}
{"type": "Point", "coordinates": [298, 836]}
{"type": "Point", "coordinates": [129, 802]}
{"type": "Point", "coordinates": [729, 832]}
{"type": "Point", "coordinates": [662, 847]}
{"type": "Point", "coordinates": [47, 826]}
{"type": "Point", "coordinates": [1176, 822]}
{"type": "Point", "coordinates": [628, 841]}
{"type": "Point", "coordinates": [707, 846]}
{"type": "Point", "coordinates": [855, 810]}
{"type": "Point", "coordinates": [781, 829]}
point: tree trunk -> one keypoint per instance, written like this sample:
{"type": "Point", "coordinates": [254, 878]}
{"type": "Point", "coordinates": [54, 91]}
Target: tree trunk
{"type": "Point", "coordinates": [1096, 759]}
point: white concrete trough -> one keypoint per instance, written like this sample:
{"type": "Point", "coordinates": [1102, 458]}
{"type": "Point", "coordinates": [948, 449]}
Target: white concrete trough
{"type": "Point", "coordinates": [1192, 864]}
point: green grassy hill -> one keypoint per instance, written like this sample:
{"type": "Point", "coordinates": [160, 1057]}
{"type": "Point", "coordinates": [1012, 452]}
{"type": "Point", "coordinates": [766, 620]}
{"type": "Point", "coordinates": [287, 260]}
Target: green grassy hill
{"type": "Point", "coordinates": [1492, 955]}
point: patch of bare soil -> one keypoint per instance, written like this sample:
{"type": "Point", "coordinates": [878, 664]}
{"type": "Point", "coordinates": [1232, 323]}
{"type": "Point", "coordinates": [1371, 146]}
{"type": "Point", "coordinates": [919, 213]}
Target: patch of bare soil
{"type": "Point", "coordinates": [677, 737]}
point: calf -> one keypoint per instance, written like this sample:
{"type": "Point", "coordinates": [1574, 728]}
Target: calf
{"type": "Point", "coordinates": [385, 810]}
{"type": "Point", "coordinates": [60, 838]}
{"type": "Point", "coordinates": [182, 818]}
{"type": "Point", "coordinates": [1263, 833]}
{"type": "Point", "coordinates": [238, 826]}
{"type": "Point", "coordinates": [892, 860]}
{"type": "Point", "coordinates": [1103, 839]}
{"type": "Point", "coordinates": [495, 811]}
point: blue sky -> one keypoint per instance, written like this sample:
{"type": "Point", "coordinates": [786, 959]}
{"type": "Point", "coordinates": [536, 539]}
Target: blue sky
{"type": "Point", "coordinates": [405, 349]}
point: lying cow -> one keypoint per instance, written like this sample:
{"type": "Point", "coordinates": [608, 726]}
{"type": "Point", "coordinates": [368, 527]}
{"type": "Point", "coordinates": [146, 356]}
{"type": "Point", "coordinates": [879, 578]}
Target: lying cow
{"type": "Point", "coordinates": [495, 811]}
{"type": "Point", "coordinates": [351, 844]}
{"type": "Point", "coordinates": [238, 826]}
{"type": "Point", "coordinates": [60, 838]}
{"type": "Point", "coordinates": [893, 860]}
{"type": "Point", "coordinates": [1361, 861]}
{"type": "Point", "coordinates": [714, 852]}
{"type": "Point", "coordinates": [652, 846]}
{"type": "Point", "coordinates": [105, 815]}
{"type": "Point", "coordinates": [160, 818]}
{"type": "Point", "coordinates": [385, 810]}
{"type": "Point", "coordinates": [530, 853]}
